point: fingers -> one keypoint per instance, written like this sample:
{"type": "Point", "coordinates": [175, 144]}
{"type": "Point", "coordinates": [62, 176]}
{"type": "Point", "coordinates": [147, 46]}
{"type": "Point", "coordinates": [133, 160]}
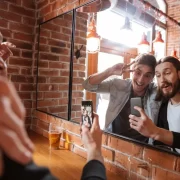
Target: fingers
{"type": "Point", "coordinates": [11, 120]}
{"type": "Point", "coordinates": [9, 44]}
{"type": "Point", "coordinates": [1, 163]}
{"type": "Point", "coordinates": [13, 147]}
{"type": "Point", "coordinates": [95, 124]}
{"type": "Point", "coordinates": [128, 65]}
{"type": "Point", "coordinates": [8, 90]}
{"type": "Point", "coordinates": [5, 51]}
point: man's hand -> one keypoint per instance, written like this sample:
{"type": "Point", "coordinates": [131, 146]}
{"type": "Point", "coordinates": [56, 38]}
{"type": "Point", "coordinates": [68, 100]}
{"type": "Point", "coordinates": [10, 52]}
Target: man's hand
{"type": "Point", "coordinates": [5, 52]}
{"type": "Point", "coordinates": [3, 68]}
{"type": "Point", "coordinates": [14, 141]}
{"type": "Point", "coordinates": [92, 139]}
{"type": "Point", "coordinates": [143, 124]}
{"type": "Point", "coordinates": [120, 68]}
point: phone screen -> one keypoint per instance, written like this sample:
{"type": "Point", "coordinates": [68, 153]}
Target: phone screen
{"type": "Point", "coordinates": [87, 112]}
{"type": "Point", "coordinates": [137, 101]}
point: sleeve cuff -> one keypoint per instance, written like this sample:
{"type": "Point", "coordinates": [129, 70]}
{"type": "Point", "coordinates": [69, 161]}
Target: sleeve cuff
{"type": "Point", "coordinates": [94, 169]}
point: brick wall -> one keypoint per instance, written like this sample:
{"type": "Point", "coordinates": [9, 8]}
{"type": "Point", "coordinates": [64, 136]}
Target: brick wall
{"type": "Point", "coordinates": [173, 31]}
{"type": "Point", "coordinates": [128, 160]}
{"type": "Point", "coordinates": [17, 20]}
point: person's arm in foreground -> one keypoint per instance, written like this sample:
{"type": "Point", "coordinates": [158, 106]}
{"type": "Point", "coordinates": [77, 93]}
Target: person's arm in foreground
{"type": "Point", "coordinates": [147, 128]}
{"type": "Point", "coordinates": [92, 139]}
{"type": "Point", "coordinates": [16, 147]}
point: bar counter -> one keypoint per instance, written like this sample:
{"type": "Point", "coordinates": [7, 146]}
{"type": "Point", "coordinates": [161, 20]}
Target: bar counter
{"type": "Point", "coordinates": [64, 164]}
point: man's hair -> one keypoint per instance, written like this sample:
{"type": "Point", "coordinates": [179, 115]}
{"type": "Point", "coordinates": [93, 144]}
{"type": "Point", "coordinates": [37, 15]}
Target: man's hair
{"type": "Point", "coordinates": [172, 60]}
{"type": "Point", "coordinates": [146, 59]}
{"type": "Point", "coordinates": [176, 63]}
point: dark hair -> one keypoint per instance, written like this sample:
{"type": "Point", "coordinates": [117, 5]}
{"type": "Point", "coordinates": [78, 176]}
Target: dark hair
{"type": "Point", "coordinates": [146, 59]}
{"type": "Point", "coordinates": [176, 63]}
{"type": "Point", "coordinates": [172, 60]}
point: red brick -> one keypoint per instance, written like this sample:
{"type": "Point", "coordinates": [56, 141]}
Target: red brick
{"type": "Point", "coordinates": [108, 153]}
{"type": "Point", "coordinates": [10, 16]}
{"type": "Point", "coordinates": [52, 95]}
{"type": "Point", "coordinates": [27, 87]}
{"type": "Point", "coordinates": [6, 33]}
{"type": "Point", "coordinates": [3, 23]}
{"type": "Point", "coordinates": [13, 70]}
{"type": "Point", "coordinates": [29, 4]}
{"type": "Point", "coordinates": [27, 54]}
{"type": "Point", "coordinates": [116, 169]}
{"type": "Point", "coordinates": [21, 79]}
{"type": "Point", "coordinates": [42, 4]}
{"type": "Point", "coordinates": [161, 159]}
{"type": "Point", "coordinates": [24, 37]}
{"type": "Point", "coordinates": [25, 95]}
{"type": "Point", "coordinates": [49, 73]}
{"type": "Point", "coordinates": [41, 115]}
{"type": "Point", "coordinates": [21, 27]}
{"type": "Point", "coordinates": [21, 10]}
{"type": "Point", "coordinates": [27, 103]}
{"type": "Point", "coordinates": [20, 61]}
{"type": "Point", "coordinates": [45, 10]}
{"type": "Point", "coordinates": [80, 151]}
{"type": "Point", "coordinates": [162, 174]}
{"type": "Point", "coordinates": [4, 5]}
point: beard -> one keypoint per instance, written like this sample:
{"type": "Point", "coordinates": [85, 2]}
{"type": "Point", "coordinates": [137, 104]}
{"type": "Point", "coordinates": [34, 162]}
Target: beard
{"type": "Point", "coordinates": [168, 95]}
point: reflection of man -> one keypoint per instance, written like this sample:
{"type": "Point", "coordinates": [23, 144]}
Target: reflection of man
{"type": "Point", "coordinates": [168, 78]}
{"type": "Point", "coordinates": [85, 117]}
{"type": "Point", "coordinates": [120, 90]}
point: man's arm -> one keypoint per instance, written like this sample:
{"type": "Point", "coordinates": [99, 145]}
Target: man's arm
{"type": "Point", "coordinates": [147, 128]}
{"type": "Point", "coordinates": [94, 83]}
{"type": "Point", "coordinates": [92, 139]}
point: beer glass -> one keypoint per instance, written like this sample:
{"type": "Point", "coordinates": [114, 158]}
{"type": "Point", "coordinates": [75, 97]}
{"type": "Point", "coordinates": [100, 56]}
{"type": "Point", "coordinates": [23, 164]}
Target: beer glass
{"type": "Point", "coordinates": [54, 135]}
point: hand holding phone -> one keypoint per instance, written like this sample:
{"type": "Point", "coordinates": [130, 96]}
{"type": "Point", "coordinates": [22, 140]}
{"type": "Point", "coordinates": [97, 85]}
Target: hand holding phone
{"type": "Point", "coordinates": [137, 101]}
{"type": "Point", "coordinates": [87, 112]}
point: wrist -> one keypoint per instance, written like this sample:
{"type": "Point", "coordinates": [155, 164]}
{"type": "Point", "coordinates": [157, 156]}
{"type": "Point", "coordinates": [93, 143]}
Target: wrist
{"type": "Point", "coordinates": [95, 154]}
{"type": "Point", "coordinates": [156, 135]}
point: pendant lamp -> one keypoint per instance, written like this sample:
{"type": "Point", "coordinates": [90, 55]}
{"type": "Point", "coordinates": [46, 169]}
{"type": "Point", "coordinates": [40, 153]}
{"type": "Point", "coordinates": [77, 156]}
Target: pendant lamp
{"type": "Point", "coordinates": [174, 53]}
{"type": "Point", "coordinates": [93, 39]}
{"type": "Point", "coordinates": [143, 46]}
{"type": "Point", "coordinates": [158, 41]}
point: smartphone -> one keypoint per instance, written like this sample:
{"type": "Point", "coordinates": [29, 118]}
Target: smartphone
{"type": "Point", "coordinates": [137, 101]}
{"type": "Point", "coordinates": [87, 112]}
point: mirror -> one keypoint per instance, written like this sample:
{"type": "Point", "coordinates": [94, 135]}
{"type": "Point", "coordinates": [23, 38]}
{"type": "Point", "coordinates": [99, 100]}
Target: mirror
{"type": "Point", "coordinates": [54, 56]}
{"type": "Point", "coordinates": [63, 61]}
{"type": "Point", "coordinates": [112, 51]}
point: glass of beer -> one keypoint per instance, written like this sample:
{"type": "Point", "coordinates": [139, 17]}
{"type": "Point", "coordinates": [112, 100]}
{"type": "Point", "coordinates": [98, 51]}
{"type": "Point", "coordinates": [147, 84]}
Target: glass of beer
{"type": "Point", "coordinates": [54, 135]}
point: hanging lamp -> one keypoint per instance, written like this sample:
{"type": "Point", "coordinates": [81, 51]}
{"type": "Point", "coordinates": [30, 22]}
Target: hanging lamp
{"type": "Point", "coordinates": [158, 41]}
{"type": "Point", "coordinates": [143, 46]}
{"type": "Point", "coordinates": [126, 33]}
{"type": "Point", "coordinates": [174, 53]}
{"type": "Point", "coordinates": [93, 39]}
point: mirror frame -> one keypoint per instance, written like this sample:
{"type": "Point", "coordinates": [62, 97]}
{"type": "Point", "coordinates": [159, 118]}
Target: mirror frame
{"type": "Point", "coordinates": [70, 85]}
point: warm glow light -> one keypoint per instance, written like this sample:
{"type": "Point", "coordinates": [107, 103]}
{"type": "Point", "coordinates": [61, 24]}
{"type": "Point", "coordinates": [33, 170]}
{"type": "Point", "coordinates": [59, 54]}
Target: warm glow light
{"type": "Point", "coordinates": [143, 46]}
{"type": "Point", "coordinates": [93, 39]}
{"type": "Point", "coordinates": [126, 36]}
{"type": "Point", "coordinates": [93, 44]}
{"type": "Point", "coordinates": [158, 42]}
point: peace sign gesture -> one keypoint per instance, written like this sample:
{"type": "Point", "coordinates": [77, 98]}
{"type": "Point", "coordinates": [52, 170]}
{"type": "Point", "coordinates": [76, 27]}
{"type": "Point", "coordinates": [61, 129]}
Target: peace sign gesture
{"type": "Point", "coordinates": [120, 68]}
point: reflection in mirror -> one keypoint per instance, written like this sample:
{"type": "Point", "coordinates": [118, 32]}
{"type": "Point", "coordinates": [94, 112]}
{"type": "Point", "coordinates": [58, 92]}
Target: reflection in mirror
{"type": "Point", "coordinates": [114, 97]}
{"type": "Point", "coordinates": [53, 65]}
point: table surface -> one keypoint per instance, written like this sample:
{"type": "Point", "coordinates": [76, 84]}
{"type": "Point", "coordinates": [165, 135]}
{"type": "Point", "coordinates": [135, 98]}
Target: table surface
{"type": "Point", "coordinates": [63, 163]}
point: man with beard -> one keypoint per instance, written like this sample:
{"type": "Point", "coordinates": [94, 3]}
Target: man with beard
{"type": "Point", "coordinates": [168, 131]}
{"type": "Point", "coordinates": [122, 90]}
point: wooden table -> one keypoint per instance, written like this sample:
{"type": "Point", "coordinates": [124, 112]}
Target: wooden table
{"type": "Point", "coordinates": [64, 164]}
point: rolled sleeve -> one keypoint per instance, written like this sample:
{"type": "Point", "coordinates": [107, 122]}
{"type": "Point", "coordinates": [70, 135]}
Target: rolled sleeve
{"type": "Point", "coordinates": [89, 87]}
